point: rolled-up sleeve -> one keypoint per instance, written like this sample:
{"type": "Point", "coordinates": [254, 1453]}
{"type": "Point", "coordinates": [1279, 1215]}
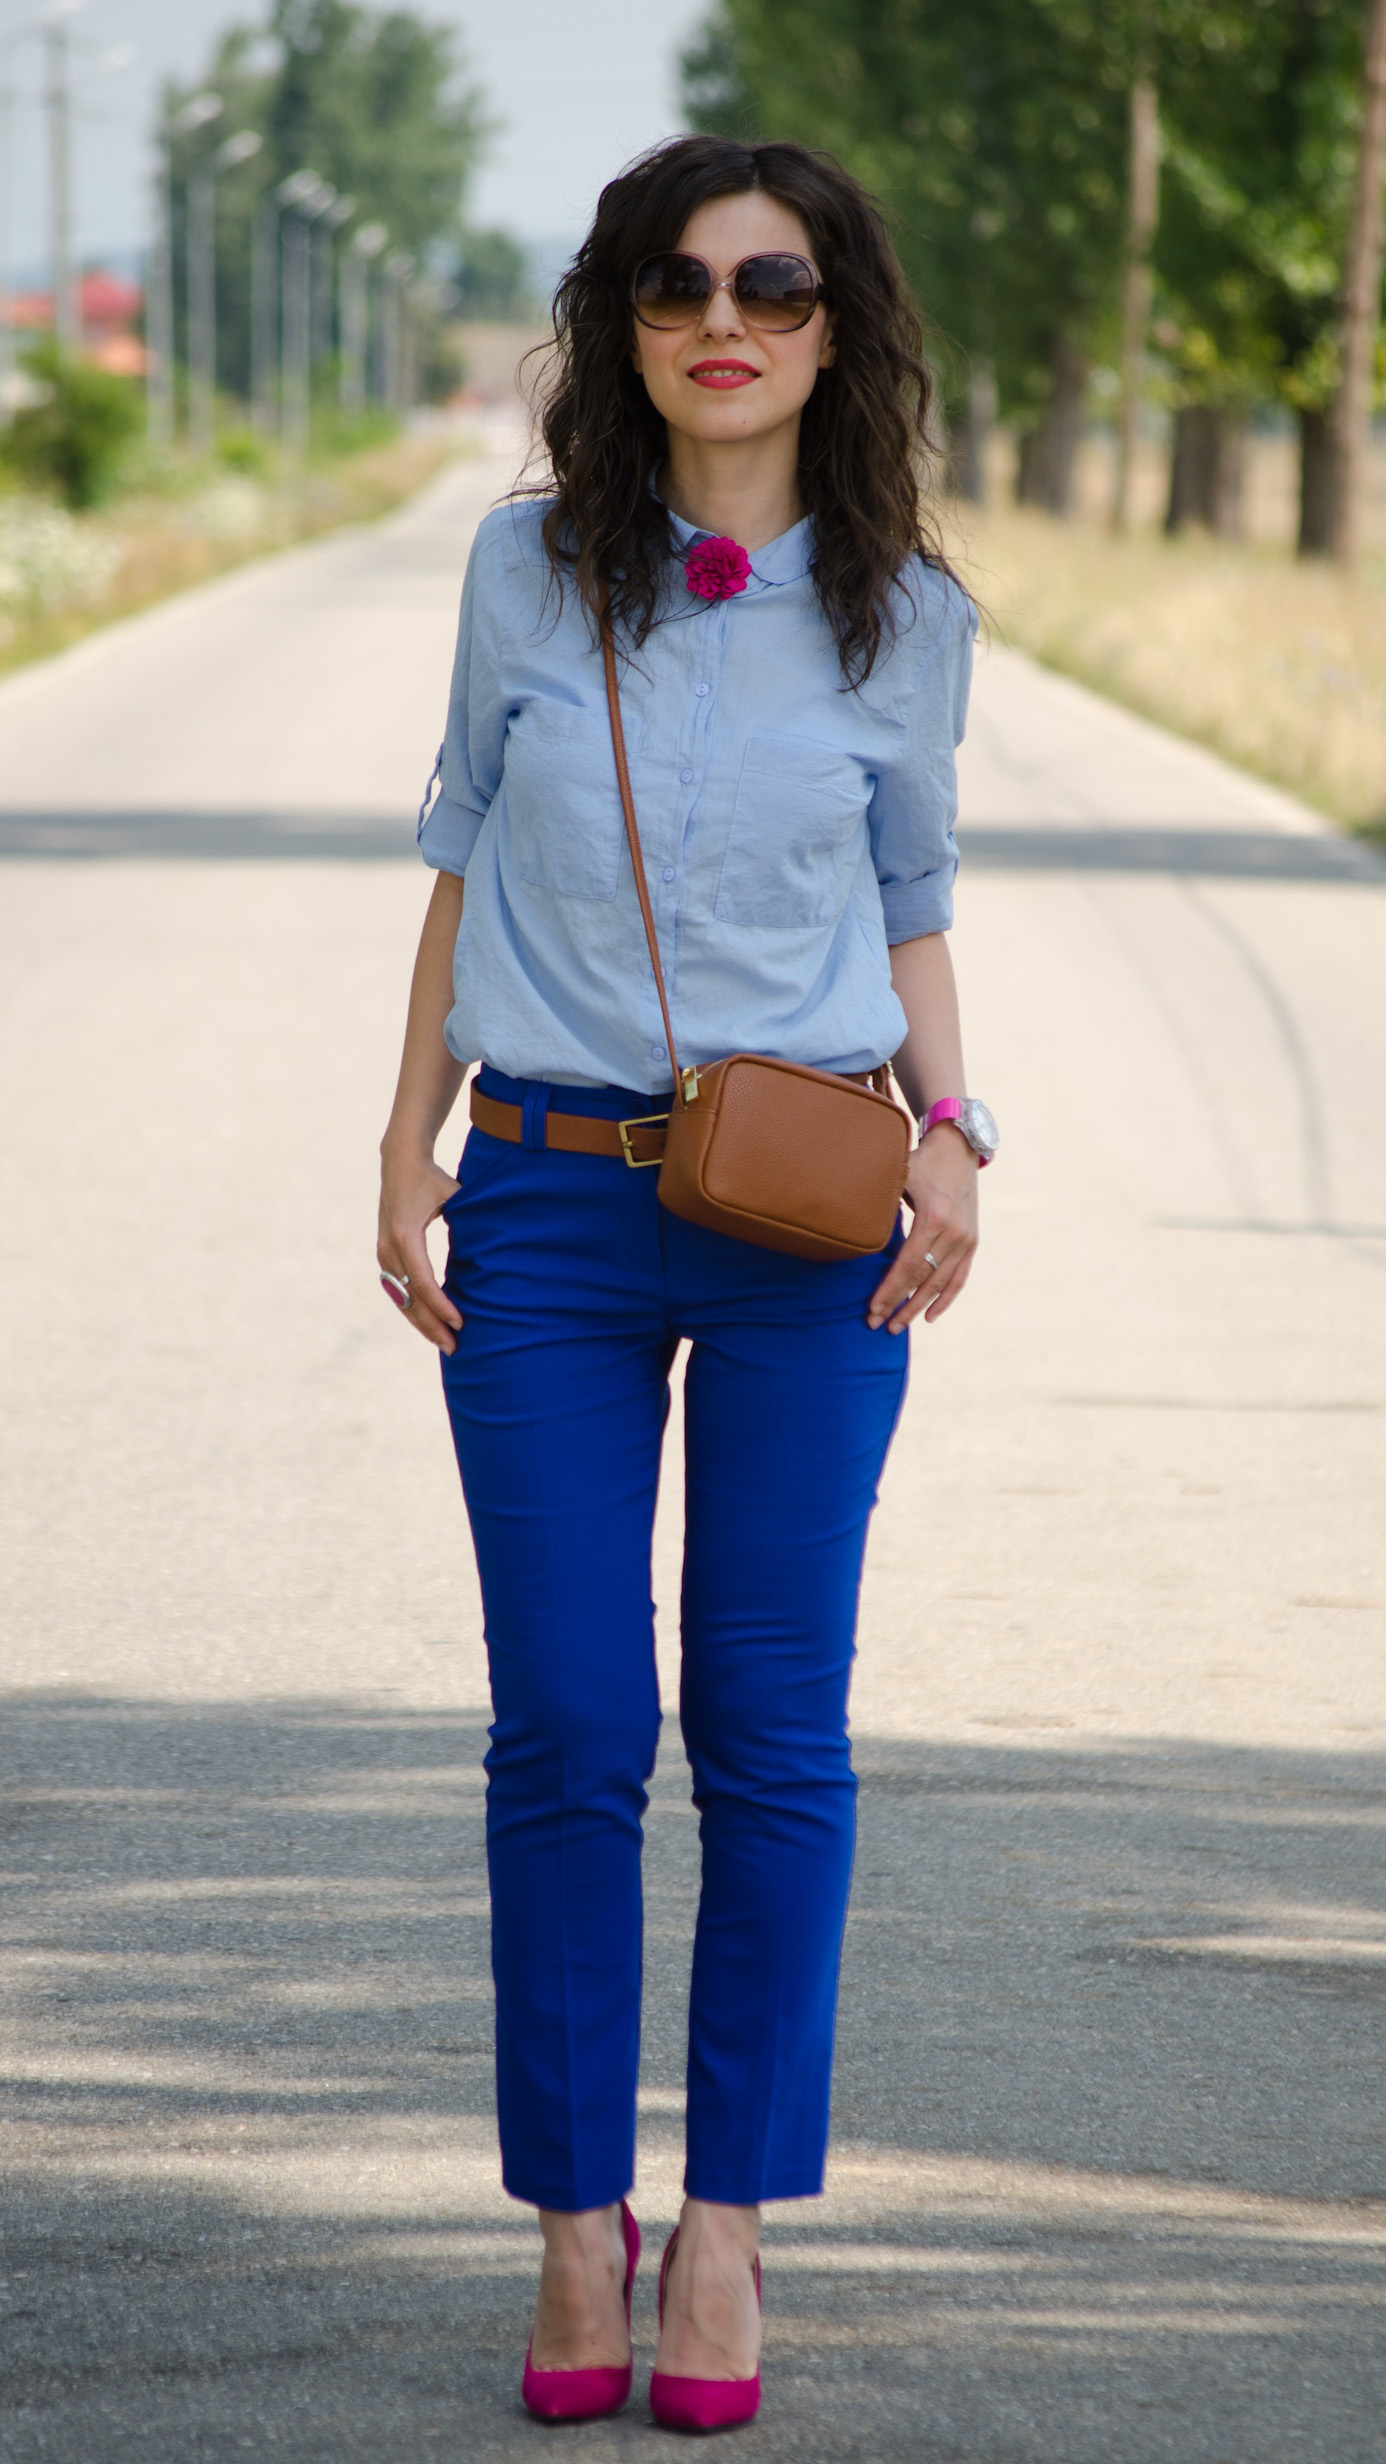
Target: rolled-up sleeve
{"type": "Point", "coordinates": [916, 797]}
{"type": "Point", "coordinates": [469, 761]}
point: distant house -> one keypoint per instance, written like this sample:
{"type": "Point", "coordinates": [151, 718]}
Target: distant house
{"type": "Point", "coordinates": [111, 310]}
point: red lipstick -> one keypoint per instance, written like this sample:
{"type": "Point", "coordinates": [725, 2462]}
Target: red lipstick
{"type": "Point", "coordinates": [723, 375]}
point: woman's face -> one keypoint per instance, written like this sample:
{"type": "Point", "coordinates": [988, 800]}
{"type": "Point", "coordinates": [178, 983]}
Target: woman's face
{"type": "Point", "coordinates": [721, 380]}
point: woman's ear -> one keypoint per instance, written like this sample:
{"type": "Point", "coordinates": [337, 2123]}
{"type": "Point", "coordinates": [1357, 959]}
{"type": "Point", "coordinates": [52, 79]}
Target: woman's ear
{"type": "Point", "coordinates": [828, 353]}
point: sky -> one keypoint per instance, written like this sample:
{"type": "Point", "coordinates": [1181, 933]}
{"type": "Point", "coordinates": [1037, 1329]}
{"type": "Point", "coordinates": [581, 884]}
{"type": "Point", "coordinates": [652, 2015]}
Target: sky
{"type": "Point", "coordinates": [577, 85]}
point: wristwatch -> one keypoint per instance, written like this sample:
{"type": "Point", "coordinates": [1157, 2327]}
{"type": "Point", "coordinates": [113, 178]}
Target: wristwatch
{"type": "Point", "coordinates": [972, 1118]}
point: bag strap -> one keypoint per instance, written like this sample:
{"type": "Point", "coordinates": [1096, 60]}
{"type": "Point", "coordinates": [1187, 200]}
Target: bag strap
{"type": "Point", "coordinates": [880, 1078]}
{"type": "Point", "coordinates": [637, 856]}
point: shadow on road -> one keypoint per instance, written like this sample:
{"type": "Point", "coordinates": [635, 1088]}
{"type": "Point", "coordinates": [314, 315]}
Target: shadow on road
{"type": "Point", "coordinates": [1109, 2180]}
{"type": "Point", "coordinates": [1211, 854]}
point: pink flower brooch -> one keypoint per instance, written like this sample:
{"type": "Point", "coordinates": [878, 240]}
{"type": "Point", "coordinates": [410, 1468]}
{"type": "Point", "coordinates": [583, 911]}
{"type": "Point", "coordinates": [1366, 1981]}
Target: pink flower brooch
{"type": "Point", "coordinates": [717, 569]}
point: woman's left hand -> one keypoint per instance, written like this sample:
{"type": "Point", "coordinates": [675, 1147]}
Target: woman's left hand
{"type": "Point", "coordinates": [936, 1260]}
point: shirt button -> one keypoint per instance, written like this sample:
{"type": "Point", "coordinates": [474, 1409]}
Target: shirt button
{"type": "Point", "coordinates": [702, 691]}
{"type": "Point", "coordinates": [668, 873]}
{"type": "Point", "coordinates": [686, 778]}
{"type": "Point", "coordinates": [658, 1053]}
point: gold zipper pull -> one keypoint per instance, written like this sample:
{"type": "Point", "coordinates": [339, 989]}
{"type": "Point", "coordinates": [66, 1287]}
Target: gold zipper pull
{"type": "Point", "coordinates": [690, 1084]}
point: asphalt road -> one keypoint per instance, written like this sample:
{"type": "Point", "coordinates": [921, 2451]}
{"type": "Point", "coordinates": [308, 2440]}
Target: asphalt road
{"type": "Point", "coordinates": [1110, 2172]}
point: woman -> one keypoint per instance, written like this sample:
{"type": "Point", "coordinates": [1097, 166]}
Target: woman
{"type": "Point", "coordinates": [735, 429]}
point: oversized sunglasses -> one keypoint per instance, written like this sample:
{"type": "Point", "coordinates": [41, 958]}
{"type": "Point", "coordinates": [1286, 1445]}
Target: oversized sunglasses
{"type": "Point", "coordinates": [776, 293]}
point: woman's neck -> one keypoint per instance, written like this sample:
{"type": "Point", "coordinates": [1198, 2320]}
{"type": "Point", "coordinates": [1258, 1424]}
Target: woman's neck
{"type": "Point", "coordinates": [747, 491]}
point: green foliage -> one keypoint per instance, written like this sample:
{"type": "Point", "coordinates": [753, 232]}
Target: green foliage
{"type": "Point", "coordinates": [71, 443]}
{"type": "Point", "coordinates": [243, 451]}
{"type": "Point", "coordinates": [1259, 156]}
{"type": "Point", "coordinates": [996, 134]}
{"type": "Point", "coordinates": [492, 277]}
{"type": "Point", "coordinates": [374, 101]}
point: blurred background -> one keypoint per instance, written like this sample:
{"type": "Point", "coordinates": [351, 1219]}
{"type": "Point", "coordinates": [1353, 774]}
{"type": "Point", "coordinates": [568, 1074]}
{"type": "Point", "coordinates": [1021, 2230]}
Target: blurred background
{"type": "Point", "coordinates": [1109, 2174]}
{"type": "Point", "coordinates": [256, 263]}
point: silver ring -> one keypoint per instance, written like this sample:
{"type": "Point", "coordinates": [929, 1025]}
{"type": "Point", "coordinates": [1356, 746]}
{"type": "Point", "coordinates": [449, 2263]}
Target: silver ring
{"type": "Point", "coordinates": [399, 1284]}
{"type": "Point", "coordinates": [931, 1260]}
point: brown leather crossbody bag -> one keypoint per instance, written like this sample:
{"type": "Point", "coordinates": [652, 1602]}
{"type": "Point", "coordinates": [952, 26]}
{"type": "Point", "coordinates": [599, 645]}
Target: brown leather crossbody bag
{"type": "Point", "coordinates": [786, 1157]}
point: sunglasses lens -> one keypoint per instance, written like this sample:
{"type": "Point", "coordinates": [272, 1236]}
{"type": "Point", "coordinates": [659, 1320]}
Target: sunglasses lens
{"type": "Point", "coordinates": [776, 293]}
{"type": "Point", "coordinates": [671, 290]}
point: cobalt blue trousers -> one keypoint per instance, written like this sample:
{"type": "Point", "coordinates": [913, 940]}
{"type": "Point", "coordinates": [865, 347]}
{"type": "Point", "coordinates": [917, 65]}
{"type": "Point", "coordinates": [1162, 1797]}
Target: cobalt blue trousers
{"type": "Point", "coordinates": [576, 1288]}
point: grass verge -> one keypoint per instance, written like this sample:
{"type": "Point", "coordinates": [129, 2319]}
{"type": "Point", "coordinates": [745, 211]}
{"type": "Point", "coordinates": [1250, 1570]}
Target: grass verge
{"type": "Point", "coordinates": [1279, 666]}
{"type": "Point", "coordinates": [90, 569]}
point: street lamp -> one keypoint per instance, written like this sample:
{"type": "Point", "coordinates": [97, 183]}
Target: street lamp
{"type": "Point", "coordinates": [264, 298]}
{"type": "Point", "coordinates": [67, 322]}
{"type": "Point", "coordinates": [305, 197]}
{"type": "Point", "coordinates": [202, 285]}
{"type": "Point", "coordinates": [328, 225]}
{"type": "Point", "coordinates": [159, 319]}
{"type": "Point", "coordinates": [398, 267]}
{"type": "Point", "coordinates": [353, 312]}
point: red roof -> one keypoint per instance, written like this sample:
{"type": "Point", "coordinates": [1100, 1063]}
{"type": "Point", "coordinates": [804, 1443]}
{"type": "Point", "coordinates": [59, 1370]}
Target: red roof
{"type": "Point", "coordinates": [106, 303]}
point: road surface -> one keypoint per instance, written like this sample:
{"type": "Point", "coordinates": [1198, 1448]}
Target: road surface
{"type": "Point", "coordinates": [1109, 2182]}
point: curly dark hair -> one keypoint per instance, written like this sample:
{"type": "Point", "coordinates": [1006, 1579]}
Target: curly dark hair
{"type": "Point", "coordinates": [865, 443]}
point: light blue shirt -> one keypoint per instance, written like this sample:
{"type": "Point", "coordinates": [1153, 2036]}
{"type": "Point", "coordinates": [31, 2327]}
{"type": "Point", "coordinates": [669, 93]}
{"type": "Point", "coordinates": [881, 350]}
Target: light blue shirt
{"type": "Point", "coordinates": [792, 829]}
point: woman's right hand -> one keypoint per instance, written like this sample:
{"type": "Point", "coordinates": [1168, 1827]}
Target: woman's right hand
{"type": "Point", "coordinates": [413, 1189]}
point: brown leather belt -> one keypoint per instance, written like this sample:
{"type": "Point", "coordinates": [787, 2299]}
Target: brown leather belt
{"type": "Point", "coordinates": [637, 1142]}
{"type": "Point", "coordinates": [576, 1133]}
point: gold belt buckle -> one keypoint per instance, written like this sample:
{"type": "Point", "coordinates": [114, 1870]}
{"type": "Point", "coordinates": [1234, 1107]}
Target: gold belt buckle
{"type": "Point", "coordinates": [646, 1120]}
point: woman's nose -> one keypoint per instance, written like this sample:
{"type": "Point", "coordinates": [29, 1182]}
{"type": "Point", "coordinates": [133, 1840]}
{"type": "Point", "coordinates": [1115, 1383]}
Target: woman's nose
{"type": "Point", "coordinates": [721, 317]}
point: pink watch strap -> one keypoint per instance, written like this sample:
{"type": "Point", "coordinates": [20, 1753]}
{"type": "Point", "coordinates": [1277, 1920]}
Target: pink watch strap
{"type": "Point", "coordinates": [948, 1108]}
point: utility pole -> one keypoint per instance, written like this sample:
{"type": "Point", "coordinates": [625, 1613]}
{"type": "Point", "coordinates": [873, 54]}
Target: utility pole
{"type": "Point", "coordinates": [67, 318]}
{"type": "Point", "coordinates": [202, 284]}
{"type": "Point", "coordinates": [354, 313]}
{"type": "Point", "coordinates": [158, 309]}
{"type": "Point", "coordinates": [304, 197]}
{"type": "Point", "coordinates": [6, 223]}
{"type": "Point", "coordinates": [163, 418]}
{"type": "Point", "coordinates": [266, 318]}
{"type": "Point", "coordinates": [1351, 419]}
{"type": "Point", "coordinates": [1143, 207]}
{"type": "Point", "coordinates": [398, 267]}
{"type": "Point", "coordinates": [325, 231]}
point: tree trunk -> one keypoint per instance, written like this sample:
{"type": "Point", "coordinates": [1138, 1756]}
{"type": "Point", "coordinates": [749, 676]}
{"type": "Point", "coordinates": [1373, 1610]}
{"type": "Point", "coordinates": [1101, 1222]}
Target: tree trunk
{"type": "Point", "coordinates": [1320, 483]}
{"type": "Point", "coordinates": [969, 453]}
{"type": "Point", "coordinates": [1142, 213]}
{"type": "Point", "coordinates": [1030, 486]}
{"type": "Point", "coordinates": [1048, 451]}
{"type": "Point", "coordinates": [1361, 300]}
{"type": "Point", "coordinates": [1206, 471]}
{"type": "Point", "coordinates": [1229, 478]}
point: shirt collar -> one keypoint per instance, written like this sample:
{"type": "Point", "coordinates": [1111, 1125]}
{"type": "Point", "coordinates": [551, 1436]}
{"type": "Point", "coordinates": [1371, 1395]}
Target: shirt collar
{"type": "Point", "coordinates": [781, 560]}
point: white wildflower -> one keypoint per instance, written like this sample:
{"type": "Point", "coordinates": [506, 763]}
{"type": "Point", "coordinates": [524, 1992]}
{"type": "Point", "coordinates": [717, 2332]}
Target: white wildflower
{"type": "Point", "coordinates": [49, 558]}
{"type": "Point", "coordinates": [232, 509]}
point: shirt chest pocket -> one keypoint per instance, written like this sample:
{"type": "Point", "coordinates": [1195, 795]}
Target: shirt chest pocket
{"type": "Point", "coordinates": [563, 807]}
{"type": "Point", "coordinates": [797, 832]}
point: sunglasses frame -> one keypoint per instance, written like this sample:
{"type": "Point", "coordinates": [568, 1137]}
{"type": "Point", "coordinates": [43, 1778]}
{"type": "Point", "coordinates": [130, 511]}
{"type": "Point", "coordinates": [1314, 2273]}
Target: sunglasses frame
{"type": "Point", "coordinates": [727, 283]}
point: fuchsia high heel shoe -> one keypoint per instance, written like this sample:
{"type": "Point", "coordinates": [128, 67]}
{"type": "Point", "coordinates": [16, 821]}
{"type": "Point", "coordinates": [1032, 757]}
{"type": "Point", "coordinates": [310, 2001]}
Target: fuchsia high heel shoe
{"type": "Point", "coordinates": [700, 2403]}
{"type": "Point", "coordinates": [584, 2395]}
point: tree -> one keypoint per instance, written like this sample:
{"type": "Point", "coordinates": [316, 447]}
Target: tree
{"type": "Point", "coordinates": [492, 277]}
{"type": "Point", "coordinates": [374, 101]}
{"type": "Point", "coordinates": [997, 134]}
{"type": "Point", "coordinates": [71, 440]}
{"type": "Point", "coordinates": [1258, 162]}
{"type": "Point", "coordinates": [1361, 298]}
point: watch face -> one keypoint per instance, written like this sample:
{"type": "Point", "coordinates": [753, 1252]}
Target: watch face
{"type": "Point", "coordinates": [981, 1131]}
